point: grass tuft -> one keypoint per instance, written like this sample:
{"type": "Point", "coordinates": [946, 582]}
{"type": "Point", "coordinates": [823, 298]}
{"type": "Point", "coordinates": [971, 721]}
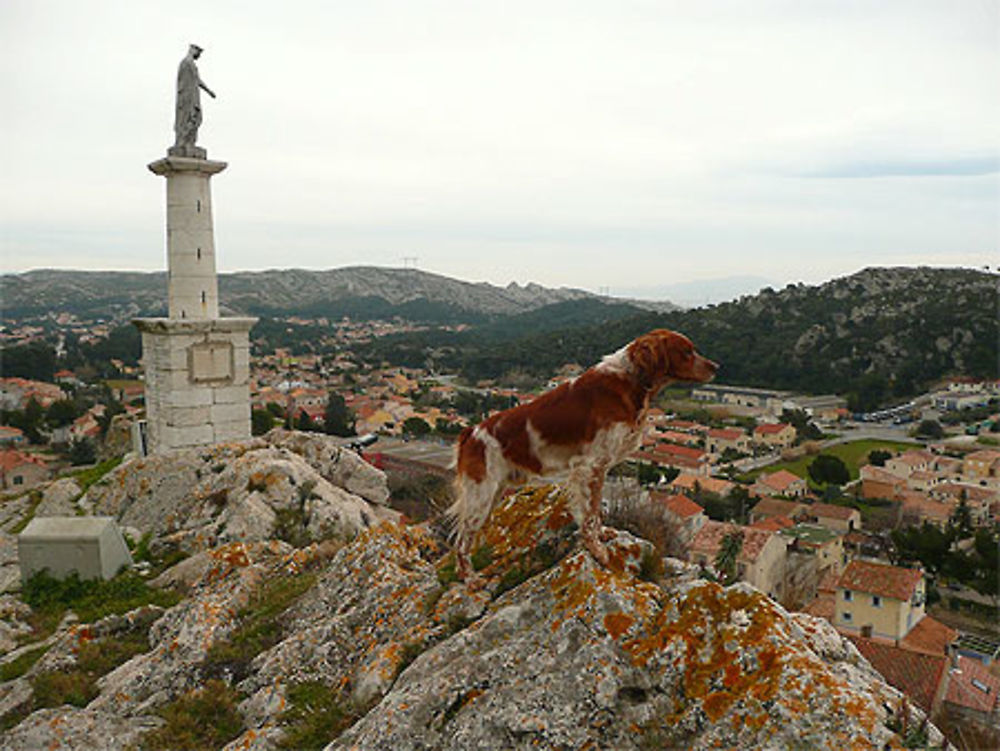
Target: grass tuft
{"type": "Point", "coordinates": [203, 719]}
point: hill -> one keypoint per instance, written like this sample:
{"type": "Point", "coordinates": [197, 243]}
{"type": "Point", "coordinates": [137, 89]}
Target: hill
{"type": "Point", "coordinates": [358, 291]}
{"type": "Point", "coordinates": [877, 334]}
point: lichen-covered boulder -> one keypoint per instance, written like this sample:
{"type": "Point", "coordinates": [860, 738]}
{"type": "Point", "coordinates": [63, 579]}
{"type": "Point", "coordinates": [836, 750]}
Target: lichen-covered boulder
{"type": "Point", "coordinates": [296, 487]}
{"type": "Point", "coordinates": [58, 498]}
{"type": "Point", "coordinates": [70, 729]}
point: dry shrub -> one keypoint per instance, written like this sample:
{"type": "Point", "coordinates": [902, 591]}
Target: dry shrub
{"type": "Point", "coordinates": [650, 521]}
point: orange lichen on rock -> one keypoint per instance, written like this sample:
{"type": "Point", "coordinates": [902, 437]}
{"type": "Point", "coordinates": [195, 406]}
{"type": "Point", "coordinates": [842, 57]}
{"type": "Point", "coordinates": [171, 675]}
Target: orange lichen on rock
{"type": "Point", "coordinates": [617, 624]}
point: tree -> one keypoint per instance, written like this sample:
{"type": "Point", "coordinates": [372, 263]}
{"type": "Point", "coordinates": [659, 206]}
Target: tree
{"type": "Point", "coordinates": [82, 451]}
{"type": "Point", "coordinates": [305, 423]}
{"type": "Point", "coordinates": [338, 419]}
{"type": "Point", "coordinates": [878, 457]}
{"type": "Point", "coordinates": [62, 413]}
{"type": "Point", "coordinates": [930, 429]}
{"type": "Point", "coordinates": [729, 553]}
{"type": "Point", "coordinates": [961, 519]}
{"type": "Point", "coordinates": [829, 469]}
{"type": "Point", "coordinates": [416, 427]}
{"type": "Point", "coordinates": [261, 421]}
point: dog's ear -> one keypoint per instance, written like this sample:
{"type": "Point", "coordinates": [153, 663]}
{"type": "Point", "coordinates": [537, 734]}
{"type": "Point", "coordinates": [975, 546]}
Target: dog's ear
{"type": "Point", "coordinates": [649, 357]}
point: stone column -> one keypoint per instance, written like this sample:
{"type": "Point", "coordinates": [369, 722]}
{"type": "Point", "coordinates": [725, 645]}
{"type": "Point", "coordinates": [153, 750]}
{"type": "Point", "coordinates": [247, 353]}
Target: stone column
{"type": "Point", "coordinates": [193, 291]}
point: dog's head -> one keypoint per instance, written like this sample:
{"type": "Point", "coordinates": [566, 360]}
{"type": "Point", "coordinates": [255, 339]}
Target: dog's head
{"type": "Point", "coordinates": [662, 356]}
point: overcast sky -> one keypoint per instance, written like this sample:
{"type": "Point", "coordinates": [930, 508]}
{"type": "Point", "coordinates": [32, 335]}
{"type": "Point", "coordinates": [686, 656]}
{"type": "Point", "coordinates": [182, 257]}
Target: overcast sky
{"type": "Point", "coordinates": [597, 144]}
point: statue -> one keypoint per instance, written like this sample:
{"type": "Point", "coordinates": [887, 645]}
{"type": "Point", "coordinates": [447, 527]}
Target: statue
{"type": "Point", "coordinates": [187, 118]}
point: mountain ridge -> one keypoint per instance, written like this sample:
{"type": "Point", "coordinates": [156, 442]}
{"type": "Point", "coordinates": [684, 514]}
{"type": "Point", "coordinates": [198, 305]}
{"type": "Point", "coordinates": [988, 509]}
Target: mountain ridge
{"type": "Point", "coordinates": [125, 294]}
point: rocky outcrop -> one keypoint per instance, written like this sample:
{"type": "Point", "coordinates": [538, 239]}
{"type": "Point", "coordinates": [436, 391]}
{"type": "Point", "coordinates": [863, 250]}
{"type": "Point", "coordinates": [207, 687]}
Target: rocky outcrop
{"type": "Point", "coordinates": [554, 652]}
{"type": "Point", "coordinates": [295, 486]}
{"type": "Point", "coordinates": [59, 498]}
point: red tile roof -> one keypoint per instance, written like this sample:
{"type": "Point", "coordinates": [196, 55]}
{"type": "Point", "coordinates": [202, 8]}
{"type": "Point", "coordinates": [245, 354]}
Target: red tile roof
{"type": "Point", "coordinates": [824, 606]}
{"type": "Point", "coordinates": [880, 579]}
{"type": "Point", "coordinates": [726, 434]}
{"type": "Point", "coordinates": [709, 538]}
{"type": "Point", "coordinates": [776, 507]}
{"type": "Point", "coordinates": [669, 449]}
{"type": "Point", "coordinates": [770, 428]}
{"type": "Point", "coordinates": [964, 691]}
{"type": "Point", "coordinates": [773, 523]}
{"type": "Point", "coordinates": [11, 459]}
{"type": "Point", "coordinates": [916, 674]}
{"type": "Point", "coordinates": [710, 484]}
{"type": "Point", "coordinates": [930, 636]}
{"type": "Point", "coordinates": [678, 504]}
{"type": "Point", "coordinates": [831, 511]}
{"type": "Point", "coordinates": [780, 480]}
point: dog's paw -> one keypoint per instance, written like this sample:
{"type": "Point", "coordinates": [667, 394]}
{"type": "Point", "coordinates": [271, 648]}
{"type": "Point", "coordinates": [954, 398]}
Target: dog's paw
{"type": "Point", "coordinates": [474, 582]}
{"type": "Point", "coordinates": [599, 553]}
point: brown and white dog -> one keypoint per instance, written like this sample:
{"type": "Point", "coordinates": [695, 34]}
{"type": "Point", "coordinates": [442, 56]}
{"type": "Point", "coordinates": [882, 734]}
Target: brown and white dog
{"type": "Point", "coordinates": [585, 426]}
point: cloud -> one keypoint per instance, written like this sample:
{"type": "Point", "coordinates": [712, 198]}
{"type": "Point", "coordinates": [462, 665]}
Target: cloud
{"type": "Point", "coordinates": [943, 167]}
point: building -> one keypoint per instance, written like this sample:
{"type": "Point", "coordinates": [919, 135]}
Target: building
{"type": "Point", "coordinates": [825, 545]}
{"type": "Point", "coordinates": [671, 455]}
{"type": "Point", "coordinates": [841, 519]}
{"type": "Point", "coordinates": [879, 600]}
{"type": "Point", "coordinates": [782, 483]}
{"type": "Point", "coordinates": [21, 471]}
{"type": "Point", "coordinates": [687, 515]}
{"type": "Point", "coordinates": [909, 462]}
{"type": "Point", "coordinates": [691, 484]}
{"type": "Point", "coordinates": [982, 464]}
{"type": "Point", "coordinates": [973, 692]}
{"type": "Point", "coordinates": [761, 562]}
{"type": "Point", "coordinates": [777, 435]}
{"type": "Point", "coordinates": [768, 508]}
{"type": "Point", "coordinates": [878, 483]}
{"type": "Point", "coordinates": [718, 440]}
{"type": "Point", "coordinates": [767, 400]}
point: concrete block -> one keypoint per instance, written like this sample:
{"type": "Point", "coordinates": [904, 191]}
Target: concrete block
{"type": "Point", "coordinates": [174, 437]}
{"type": "Point", "coordinates": [230, 412]}
{"type": "Point", "coordinates": [91, 546]}
{"type": "Point", "coordinates": [231, 394]}
{"type": "Point", "coordinates": [187, 396]}
{"type": "Point", "coordinates": [232, 431]}
{"type": "Point", "coordinates": [187, 417]}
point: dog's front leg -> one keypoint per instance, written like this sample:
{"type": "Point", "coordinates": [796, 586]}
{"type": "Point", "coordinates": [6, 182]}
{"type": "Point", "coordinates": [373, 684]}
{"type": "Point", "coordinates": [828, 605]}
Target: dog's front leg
{"type": "Point", "coordinates": [590, 528]}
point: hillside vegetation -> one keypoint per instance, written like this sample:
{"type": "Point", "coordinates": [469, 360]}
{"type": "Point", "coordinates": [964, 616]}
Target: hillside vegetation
{"type": "Point", "coordinates": [876, 335]}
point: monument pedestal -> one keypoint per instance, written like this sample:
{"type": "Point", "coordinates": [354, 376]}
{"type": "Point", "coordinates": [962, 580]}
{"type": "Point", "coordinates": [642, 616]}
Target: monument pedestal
{"type": "Point", "coordinates": [197, 380]}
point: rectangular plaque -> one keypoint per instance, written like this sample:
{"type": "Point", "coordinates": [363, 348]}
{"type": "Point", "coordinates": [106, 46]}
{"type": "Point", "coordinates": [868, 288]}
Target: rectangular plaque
{"type": "Point", "coordinates": [211, 362]}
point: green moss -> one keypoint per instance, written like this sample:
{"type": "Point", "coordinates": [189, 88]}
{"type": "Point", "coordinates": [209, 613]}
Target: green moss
{"type": "Point", "coordinates": [316, 715]}
{"type": "Point", "coordinates": [87, 477]}
{"type": "Point", "coordinates": [76, 686]}
{"type": "Point", "coordinates": [260, 627]}
{"type": "Point", "coordinates": [512, 577]}
{"type": "Point", "coordinates": [34, 498]}
{"type": "Point", "coordinates": [90, 599]}
{"type": "Point", "coordinates": [447, 573]}
{"type": "Point", "coordinates": [481, 557]}
{"type": "Point", "coordinates": [18, 667]}
{"type": "Point", "coordinates": [203, 719]}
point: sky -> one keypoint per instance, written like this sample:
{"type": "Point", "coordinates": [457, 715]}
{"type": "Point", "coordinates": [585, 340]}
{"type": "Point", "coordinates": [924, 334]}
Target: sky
{"type": "Point", "coordinates": [620, 146]}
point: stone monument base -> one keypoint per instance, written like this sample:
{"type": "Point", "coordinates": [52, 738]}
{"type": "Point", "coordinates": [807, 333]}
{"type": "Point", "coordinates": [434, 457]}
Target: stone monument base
{"type": "Point", "coordinates": [194, 152]}
{"type": "Point", "coordinates": [197, 380]}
